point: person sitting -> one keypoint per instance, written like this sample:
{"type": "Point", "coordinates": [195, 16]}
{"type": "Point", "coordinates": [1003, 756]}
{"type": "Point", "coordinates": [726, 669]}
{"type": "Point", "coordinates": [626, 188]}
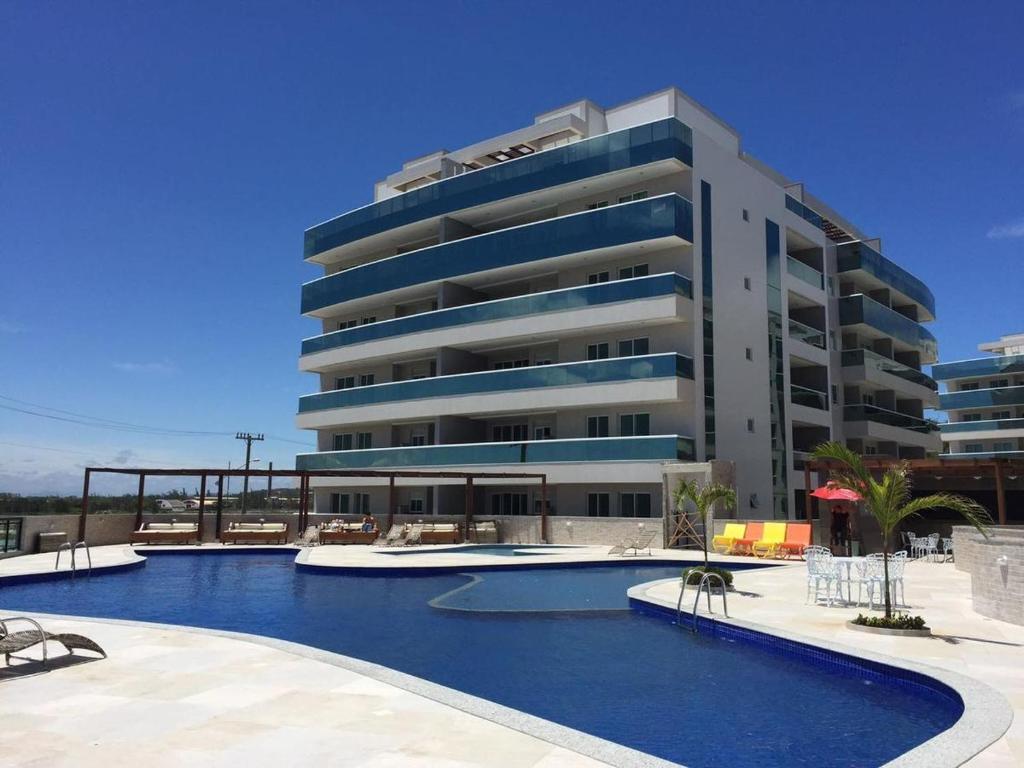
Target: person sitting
{"type": "Point", "coordinates": [369, 524]}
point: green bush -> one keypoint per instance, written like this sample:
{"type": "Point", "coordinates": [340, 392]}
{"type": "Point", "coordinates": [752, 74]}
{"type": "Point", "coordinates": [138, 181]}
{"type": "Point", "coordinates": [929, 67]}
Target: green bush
{"type": "Point", "coordinates": [896, 622]}
{"type": "Point", "coordinates": [693, 575]}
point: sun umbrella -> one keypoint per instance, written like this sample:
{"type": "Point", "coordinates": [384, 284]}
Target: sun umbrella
{"type": "Point", "coordinates": [833, 492]}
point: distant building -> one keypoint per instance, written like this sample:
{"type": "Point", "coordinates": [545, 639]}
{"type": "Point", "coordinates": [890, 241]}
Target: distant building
{"type": "Point", "coordinates": [984, 399]}
{"type": "Point", "coordinates": [594, 296]}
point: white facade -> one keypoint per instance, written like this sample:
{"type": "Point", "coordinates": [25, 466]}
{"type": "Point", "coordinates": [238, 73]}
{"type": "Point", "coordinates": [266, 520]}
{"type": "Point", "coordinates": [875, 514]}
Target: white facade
{"type": "Point", "coordinates": [595, 296]}
{"type": "Point", "coordinates": [984, 400]}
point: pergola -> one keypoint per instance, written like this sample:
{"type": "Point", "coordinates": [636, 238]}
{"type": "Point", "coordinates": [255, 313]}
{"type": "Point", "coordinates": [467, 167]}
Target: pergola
{"type": "Point", "coordinates": [304, 476]}
{"type": "Point", "coordinates": [938, 467]}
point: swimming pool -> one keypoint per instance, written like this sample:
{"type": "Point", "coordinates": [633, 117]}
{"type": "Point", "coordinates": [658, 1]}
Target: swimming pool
{"type": "Point", "coordinates": [561, 644]}
{"type": "Point", "coordinates": [501, 550]}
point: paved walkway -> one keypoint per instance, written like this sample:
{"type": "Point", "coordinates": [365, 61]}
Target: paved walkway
{"type": "Point", "coordinates": [986, 649]}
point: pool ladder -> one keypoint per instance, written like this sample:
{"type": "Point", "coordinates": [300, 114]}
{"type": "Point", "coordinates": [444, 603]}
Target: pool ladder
{"type": "Point", "coordinates": [72, 549]}
{"type": "Point", "coordinates": [705, 581]}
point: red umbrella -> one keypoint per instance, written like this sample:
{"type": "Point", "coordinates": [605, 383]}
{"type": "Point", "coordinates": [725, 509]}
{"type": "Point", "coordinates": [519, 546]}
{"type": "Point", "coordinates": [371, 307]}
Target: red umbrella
{"type": "Point", "coordinates": [833, 492]}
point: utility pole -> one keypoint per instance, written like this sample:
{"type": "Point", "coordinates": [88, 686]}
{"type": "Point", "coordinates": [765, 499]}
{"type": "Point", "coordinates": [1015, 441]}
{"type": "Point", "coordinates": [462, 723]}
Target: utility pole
{"type": "Point", "coordinates": [249, 438]}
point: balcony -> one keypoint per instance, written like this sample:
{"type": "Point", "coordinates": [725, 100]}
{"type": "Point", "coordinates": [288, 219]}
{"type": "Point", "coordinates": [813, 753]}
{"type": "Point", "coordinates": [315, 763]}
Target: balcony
{"type": "Point", "coordinates": [878, 272]}
{"type": "Point", "coordinates": [802, 271]}
{"type": "Point", "coordinates": [809, 398]}
{"type": "Point", "coordinates": [645, 378]}
{"type": "Point", "coordinates": [807, 334]}
{"type": "Point", "coordinates": [983, 429]}
{"type": "Point", "coordinates": [859, 309]}
{"type": "Point", "coordinates": [805, 213]}
{"type": "Point", "coordinates": [873, 413]}
{"type": "Point", "coordinates": [981, 398]}
{"type": "Point", "coordinates": [983, 366]}
{"type": "Point", "coordinates": [511, 309]}
{"type": "Point", "coordinates": [878, 367]}
{"type": "Point", "coordinates": [666, 139]}
{"type": "Point", "coordinates": [666, 216]}
{"type": "Point", "coordinates": [985, 455]}
{"type": "Point", "coordinates": [617, 449]}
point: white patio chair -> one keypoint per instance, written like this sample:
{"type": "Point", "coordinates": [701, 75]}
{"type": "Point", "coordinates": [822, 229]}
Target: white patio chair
{"type": "Point", "coordinates": [820, 569]}
{"type": "Point", "coordinates": [908, 538]}
{"type": "Point", "coordinates": [947, 550]}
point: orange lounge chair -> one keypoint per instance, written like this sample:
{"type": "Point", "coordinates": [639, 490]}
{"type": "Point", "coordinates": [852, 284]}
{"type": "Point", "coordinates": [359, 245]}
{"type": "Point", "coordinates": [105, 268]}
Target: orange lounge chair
{"type": "Point", "coordinates": [753, 533]}
{"type": "Point", "coordinates": [798, 537]}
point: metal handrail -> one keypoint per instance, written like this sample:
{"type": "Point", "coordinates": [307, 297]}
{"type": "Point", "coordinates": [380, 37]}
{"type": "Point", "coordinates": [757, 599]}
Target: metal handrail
{"type": "Point", "coordinates": [705, 580]}
{"type": "Point", "coordinates": [33, 622]}
{"type": "Point", "coordinates": [88, 556]}
{"type": "Point", "coordinates": [61, 548]}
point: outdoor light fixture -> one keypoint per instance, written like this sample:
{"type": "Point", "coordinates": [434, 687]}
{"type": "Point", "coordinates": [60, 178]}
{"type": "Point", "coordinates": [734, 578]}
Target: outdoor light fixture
{"type": "Point", "coordinates": [977, 477]}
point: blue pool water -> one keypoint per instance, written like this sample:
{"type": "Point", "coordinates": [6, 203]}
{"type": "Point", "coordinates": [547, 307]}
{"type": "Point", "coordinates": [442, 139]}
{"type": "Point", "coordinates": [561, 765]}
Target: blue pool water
{"type": "Point", "coordinates": [563, 646]}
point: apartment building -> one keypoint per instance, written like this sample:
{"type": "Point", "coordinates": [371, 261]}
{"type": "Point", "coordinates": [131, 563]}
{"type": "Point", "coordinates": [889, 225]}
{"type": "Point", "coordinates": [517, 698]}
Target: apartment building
{"type": "Point", "coordinates": [599, 295]}
{"type": "Point", "coordinates": [984, 400]}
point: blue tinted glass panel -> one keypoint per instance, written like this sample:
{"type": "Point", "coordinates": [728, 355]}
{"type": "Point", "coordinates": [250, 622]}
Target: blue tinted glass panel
{"type": "Point", "coordinates": [874, 361]}
{"type": "Point", "coordinates": [804, 212]}
{"type": "Point", "coordinates": [883, 416]}
{"type": "Point", "coordinates": [982, 398]}
{"type": "Point", "coordinates": [851, 256]}
{"type": "Point", "coordinates": [983, 366]}
{"type": "Point", "coordinates": [629, 148]}
{"type": "Point", "coordinates": [861, 309]}
{"type": "Point", "coordinates": [982, 426]}
{"type": "Point", "coordinates": [801, 271]}
{"type": "Point", "coordinates": [655, 217]}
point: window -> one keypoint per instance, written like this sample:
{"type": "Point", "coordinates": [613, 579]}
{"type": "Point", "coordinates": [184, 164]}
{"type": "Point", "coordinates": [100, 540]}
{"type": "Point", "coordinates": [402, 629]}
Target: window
{"type": "Point", "coordinates": [599, 204]}
{"type": "Point", "coordinates": [343, 442]}
{"type": "Point", "coordinates": [637, 270]}
{"type": "Point", "coordinates": [364, 440]}
{"type": "Point", "coordinates": [368, 320]}
{"type": "Point", "coordinates": [969, 386]}
{"type": "Point", "coordinates": [971, 417]}
{"type": "Point", "coordinates": [870, 450]}
{"type": "Point", "coordinates": [749, 353]}
{"type": "Point", "coordinates": [998, 383]}
{"type": "Point", "coordinates": [345, 382]}
{"type": "Point", "coordinates": [635, 504]}
{"type": "Point", "coordinates": [416, 506]}
{"type": "Point", "coordinates": [597, 277]}
{"type": "Point", "coordinates": [634, 424]}
{"type": "Point", "coordinates": [509, 504]}
{"type": "Point", "coordinates": [746, 283]}
{"type": "Point", "coordinates": [1000, 414]}
{"type": "Point", "coordinates": [506, 364]}
{"type": "Point", "coordinates": [418, 438]}
{"type": "Point", "coordinates": [746, 215]}
{"type": "Point", "coordinates": [597, 351]}
{"type": "Point", "coordinates": [835, 394]}
{"type": "Point", "coordinates": [867, 399]}
{"type": "Point", "coordinates": [507, 433]}
{"type": "Point", "coordinates": [597, 426]}
{"type": "Point", "coordinates": [642, 195]}
{"type": "Point", "coordinates": [544, 361]}
{"type": "Point", "coordinates": [542, 433]}
{"type": "Point", "coordinates": [347, 324]}
{"type": "Point", "coordinates": [632, 347]}
{"type": "Point", "coordinates": [750, 425]}
{"type": "Point", "coordinates": [366, 379]}
{"type": "Point", "coordinates": [339, 504]}
{"type": "Point", "coordinates": [1002, 446]}
{"type": "Point", "coordinates": [831, 287]}
{"type": "Point", "coordinates": [832, 340]}
{"type": "Point", "coordinates": [598, 504]}
{"type": "Point", "coordinates": [362, 503]}
{"type": "Point", "coordinates": [974, 448]}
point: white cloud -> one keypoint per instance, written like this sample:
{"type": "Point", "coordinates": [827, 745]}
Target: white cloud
{"type": "Point", "coordinates": [1006, 231]}
{"type": "Point", "coordinates": [161, 366]}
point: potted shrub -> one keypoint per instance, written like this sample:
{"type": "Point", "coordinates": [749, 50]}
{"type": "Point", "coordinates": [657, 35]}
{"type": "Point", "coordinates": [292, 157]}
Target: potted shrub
{"type": "Point", "coordinates": [703, 498]}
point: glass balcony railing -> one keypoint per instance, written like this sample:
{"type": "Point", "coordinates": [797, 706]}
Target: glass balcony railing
{"type": "Point", "coordinates": [804, 212]}
{"type": "Point", "coordinates": [810, 398]}
{"type": "Point", "coordinates": [653, 286]}
{"type": "Point", "coordinates": [655, 217]}
{"type": "Point", "coordinates": [982, 366]}
{"type": "Point", "coordinates": [985, 455]}
{"type": "Point", "coordinates": [648, 448]}
{"type": "Point", "coordinates": [611, 370]}
{"type": "Point", "coordinates": [981, 398]}
{"type": "Point", "coordinates": [802, 271]}
{"type": "Point", "coordinates": [644, 144]}
{"type": "Point", "coordinates": [876, 362]}
{"type": "Point", "coordinates": [862, 412]}
{"type": "Point", "coordinates": [854, 256]}
{"type": "Point", "coordinates": [806, 334]}
{"type": "Point", "coordinates": [984, 425]}
{"type": "Point", "coordinates": [859, 308]}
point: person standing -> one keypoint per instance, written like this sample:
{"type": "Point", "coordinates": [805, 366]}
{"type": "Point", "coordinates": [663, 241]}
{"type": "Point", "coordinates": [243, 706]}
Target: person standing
{"type": "Point", "coordinates": [840, 529]}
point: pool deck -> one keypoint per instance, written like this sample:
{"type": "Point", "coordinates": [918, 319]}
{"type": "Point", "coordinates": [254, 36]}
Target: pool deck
{"type": "Point", "coordinates": [173, 696]}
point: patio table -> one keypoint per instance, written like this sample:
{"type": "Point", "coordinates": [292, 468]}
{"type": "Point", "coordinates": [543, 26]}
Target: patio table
{"type": "Point", "coordinates": [846, 564]}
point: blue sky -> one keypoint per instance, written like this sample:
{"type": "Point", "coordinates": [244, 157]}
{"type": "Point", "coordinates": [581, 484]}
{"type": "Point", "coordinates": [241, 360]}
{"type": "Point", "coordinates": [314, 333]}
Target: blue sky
{"type": "Point", "coordinates": [160, 161]}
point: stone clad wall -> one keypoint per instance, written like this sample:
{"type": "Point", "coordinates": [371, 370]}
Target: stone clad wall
{"type": "Point", "coordinates": [997, 588]}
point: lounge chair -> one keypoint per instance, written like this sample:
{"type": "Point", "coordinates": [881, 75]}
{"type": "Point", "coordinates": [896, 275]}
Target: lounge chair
{"type": "Point", "coordinates": [723, 543]}
{"type": "Point", "coordinates": [258, 533]}
{"type": "Point", "coordinates": [641, 542]}
{"type": "Point", "coordinates": [769, 543]}
{"type": "Point", "coordinates": [440, 533]}
{"type": "Point", "coordinates": [484, 532]}
{"type": "Point", "coordinates": [165, 533]}
{"type": "Point", "coordinates": [15, 642]}
{"type": "Point", "coordinates": [414, 535]}
{"type": "Point", "coordinates": [394, 537]}
{"type": "Point", "coordinates": [798, 537]}
{"type": "Point", "coordinates": [622, 546]}
{"type": "Point", "coordinates": [348, 533]}
{"type": "Point", "coordinates": [743, 544]}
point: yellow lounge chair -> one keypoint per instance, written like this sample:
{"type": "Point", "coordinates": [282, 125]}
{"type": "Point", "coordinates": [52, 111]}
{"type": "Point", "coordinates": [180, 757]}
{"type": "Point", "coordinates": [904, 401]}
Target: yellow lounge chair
{"type": "Point", "coordinates": [724, 542]}
{"type": "Point", "coordinates": [773, 538]}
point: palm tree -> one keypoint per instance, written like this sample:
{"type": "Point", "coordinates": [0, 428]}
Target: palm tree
{"type": "Point", "coordinates": [888, 498]}
{"type": "Point", "coordinates": [703, 498]}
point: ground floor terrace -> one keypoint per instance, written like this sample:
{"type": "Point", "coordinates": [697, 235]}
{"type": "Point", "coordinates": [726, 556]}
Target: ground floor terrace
{"type": "Point", "coordinates": [190, 690]}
